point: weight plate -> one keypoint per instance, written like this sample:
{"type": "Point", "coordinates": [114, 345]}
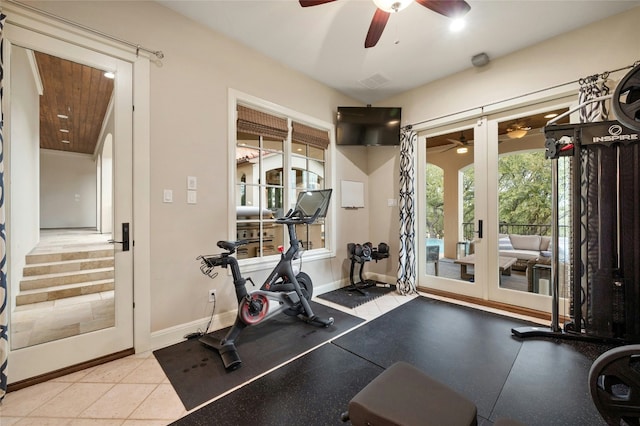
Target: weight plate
{"type": "Point", "coordinates": [626, 100]}
{"type": "Point", "coordinates": [614, 384]}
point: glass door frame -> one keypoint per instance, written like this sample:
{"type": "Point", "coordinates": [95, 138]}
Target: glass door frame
{"type": "Point", "coordinates": [535, 301]}
{"type": "Point", "coordinates": [486, 204]}
{"type": "Point", "coordinates": [465, 288]}
{"type": "Point", "coordinates": [32, 361]}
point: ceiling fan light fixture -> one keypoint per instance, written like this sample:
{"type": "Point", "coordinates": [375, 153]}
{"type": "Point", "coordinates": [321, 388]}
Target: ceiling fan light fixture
{"type": "Point", "coordinates": [392, 5]}
{"type": "Point", "coordinates": [462, 150]}
{"type": "Point", "coordinates": [457, 24]}
{"type": "Point", "coordinates": [517, 131]}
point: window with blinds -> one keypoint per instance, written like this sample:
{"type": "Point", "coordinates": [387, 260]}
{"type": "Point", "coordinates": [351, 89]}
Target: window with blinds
{"type": "Point", "coordinates": [276, 159]}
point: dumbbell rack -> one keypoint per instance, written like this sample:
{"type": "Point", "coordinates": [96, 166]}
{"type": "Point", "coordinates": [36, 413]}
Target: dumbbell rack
{"type": "Point", "coordinates": [362, 256]}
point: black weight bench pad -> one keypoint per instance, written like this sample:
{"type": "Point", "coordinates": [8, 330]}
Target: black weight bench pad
{"type": "Point", "coordinates": [404, 395]}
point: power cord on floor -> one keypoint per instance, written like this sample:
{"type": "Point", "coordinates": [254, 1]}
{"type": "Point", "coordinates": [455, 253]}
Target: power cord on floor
{"type": "Point", "coordinates": [201, 333]}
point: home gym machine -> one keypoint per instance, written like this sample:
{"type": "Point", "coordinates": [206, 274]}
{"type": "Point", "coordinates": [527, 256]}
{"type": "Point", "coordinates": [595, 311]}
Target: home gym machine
{"type": "Point", "coordinates": [285, 290]}
{"type": "Point", "coordinates": [362, 253]}
{"type": "Point", "coordinates": [599, 198]}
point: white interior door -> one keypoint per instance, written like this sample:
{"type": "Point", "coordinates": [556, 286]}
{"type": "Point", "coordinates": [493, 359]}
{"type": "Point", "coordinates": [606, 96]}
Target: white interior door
{"type": "Point", "coordinates": [30, 361]}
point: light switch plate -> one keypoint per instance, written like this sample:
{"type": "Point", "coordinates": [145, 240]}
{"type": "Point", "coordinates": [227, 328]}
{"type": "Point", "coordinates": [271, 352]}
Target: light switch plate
{"type": "Point", "coordinates": [192, 197]}
{"type": "Point", "coordinates": [167, 196]}
{"type": "Point", "coordinates": [192, 182]}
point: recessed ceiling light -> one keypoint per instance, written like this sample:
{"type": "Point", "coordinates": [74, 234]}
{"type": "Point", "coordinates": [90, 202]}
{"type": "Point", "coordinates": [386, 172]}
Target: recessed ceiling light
{"type": "Point", "coordinates": [457, 24]}
{"type": "Point", "coordinates": [65, 141]}
{"type": "Point", "coordinates": [63, 116]}
{"type": "Point", "coordinates": [110, 74]}
{"type": "Point", "coordinates": [551, 115]}
{"type": "Point", "coordinates": [64, 130]}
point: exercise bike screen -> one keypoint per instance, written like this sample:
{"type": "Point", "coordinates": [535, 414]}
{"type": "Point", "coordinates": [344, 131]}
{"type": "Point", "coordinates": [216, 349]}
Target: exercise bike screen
{"type": "Point", "coordinates": [310, 201]}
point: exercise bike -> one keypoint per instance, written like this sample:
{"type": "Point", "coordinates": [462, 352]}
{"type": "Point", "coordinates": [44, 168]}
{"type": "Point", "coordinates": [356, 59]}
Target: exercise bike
{"type": "Point", "coordinates": [285, 290]}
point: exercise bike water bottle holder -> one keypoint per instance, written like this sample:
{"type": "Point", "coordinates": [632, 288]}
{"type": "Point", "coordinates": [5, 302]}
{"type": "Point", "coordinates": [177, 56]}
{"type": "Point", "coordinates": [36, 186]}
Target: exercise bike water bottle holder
{"type": "Point", "coordinates": [285, 290]}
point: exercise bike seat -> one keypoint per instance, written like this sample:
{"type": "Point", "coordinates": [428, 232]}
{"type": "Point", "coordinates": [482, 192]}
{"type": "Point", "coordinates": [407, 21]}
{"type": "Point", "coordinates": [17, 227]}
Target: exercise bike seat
{"type": "Point", "coordinates": [231, 245]}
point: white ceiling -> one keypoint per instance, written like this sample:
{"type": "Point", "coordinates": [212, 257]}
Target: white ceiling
{"type": "Point", "coordinates": [326, 42]}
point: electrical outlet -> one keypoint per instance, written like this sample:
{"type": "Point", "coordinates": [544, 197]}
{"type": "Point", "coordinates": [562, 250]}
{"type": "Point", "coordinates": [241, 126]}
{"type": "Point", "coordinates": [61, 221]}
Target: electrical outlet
{"type": "Point", "coordinates": [212, 295]}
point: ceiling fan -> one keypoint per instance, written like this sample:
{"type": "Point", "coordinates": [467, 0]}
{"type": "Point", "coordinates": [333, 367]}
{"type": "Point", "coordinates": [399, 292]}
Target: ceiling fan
{"type": "Point", "coordinates": [461, 144]}
{"type": "Point", "coordinates": [448, 8]}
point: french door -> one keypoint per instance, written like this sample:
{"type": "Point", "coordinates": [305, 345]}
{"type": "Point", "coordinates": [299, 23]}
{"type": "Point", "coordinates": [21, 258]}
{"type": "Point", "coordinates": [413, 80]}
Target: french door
{"type": "Point", "coordinates": [461, 228]}
{"type": "Point", "coordinates": [27, 361]}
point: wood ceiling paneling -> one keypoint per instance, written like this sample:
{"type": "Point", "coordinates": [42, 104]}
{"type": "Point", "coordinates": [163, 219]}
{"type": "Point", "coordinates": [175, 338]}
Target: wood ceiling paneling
{"type": "Point", "coordinates": [78, 91]}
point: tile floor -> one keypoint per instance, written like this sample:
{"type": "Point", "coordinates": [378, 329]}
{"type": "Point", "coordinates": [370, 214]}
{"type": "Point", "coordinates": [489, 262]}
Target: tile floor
{"type": "Point", "coordinates": [41, 322]}
{"type": "Point", "coordinates": [129, 391]}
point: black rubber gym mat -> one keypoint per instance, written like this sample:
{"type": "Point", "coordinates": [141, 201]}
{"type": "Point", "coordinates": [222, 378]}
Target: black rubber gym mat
{"type": "Point", "coordinates": [198, 375]}
{"type": "Point", "coordinates": [351, 299]}
{"type": "Point", "coordinates": [312, 390]}
{"type": "Point", "coordinates": [548, 384]}
{"type": "Point", "coordinates": [471, 351]}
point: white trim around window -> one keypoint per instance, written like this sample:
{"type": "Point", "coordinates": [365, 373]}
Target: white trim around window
{"type": "Point", "coordinates": [236, 97]}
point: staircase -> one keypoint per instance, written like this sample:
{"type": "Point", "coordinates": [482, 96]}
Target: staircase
{"type": "Point", "coordinates": [62, 274]}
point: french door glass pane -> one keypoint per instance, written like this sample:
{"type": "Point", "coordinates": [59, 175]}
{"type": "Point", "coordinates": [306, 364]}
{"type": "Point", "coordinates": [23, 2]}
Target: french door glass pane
{"type": "Point", "coordinates": [450, 206]}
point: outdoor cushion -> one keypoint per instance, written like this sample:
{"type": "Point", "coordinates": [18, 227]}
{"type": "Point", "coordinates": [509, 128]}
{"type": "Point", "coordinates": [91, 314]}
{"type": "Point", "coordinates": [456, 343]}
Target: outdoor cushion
{"type": "Point", "coordinates": [544, 243]}
{"type": "Point", "coordinates": [525, 242]}
{"type": "Point", "coordinates": [520, 254]}
{"type": "Point", "coordinates": [504, 243]}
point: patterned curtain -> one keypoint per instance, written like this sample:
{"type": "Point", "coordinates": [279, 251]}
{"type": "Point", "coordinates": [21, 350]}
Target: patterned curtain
{"type": "Point", "coordinates": [406, 283]}
{"type": "Point", "coordinates": [4, 316]}
{"type": "Point", "coordinates": [590, 88]}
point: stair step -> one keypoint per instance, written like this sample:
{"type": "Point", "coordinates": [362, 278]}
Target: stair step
{"type": "Point", "coordinates": [27, 297]}
{"type": "Point", "coordinates": [67, 255]}
{"type": "Point", "coordinates": [63, 278]}
{"type": "Point", "coordinates": [67, 266]}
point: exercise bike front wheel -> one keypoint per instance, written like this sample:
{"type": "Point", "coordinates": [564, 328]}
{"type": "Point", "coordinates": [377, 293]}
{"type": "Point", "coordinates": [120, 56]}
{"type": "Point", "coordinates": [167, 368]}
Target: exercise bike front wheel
{"type": "Point", "coordinates": [306, 286]}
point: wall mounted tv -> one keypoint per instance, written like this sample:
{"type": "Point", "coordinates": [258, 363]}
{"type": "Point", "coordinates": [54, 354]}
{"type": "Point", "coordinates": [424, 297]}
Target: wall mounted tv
{"type": "Point", "coordinates": [368, 126]}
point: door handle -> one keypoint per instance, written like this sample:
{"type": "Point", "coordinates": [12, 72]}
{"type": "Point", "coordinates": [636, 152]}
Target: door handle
{"type": "Point", "coordinates": [125, 237]}
{"type": "Point", "coordinates": [479, 231]}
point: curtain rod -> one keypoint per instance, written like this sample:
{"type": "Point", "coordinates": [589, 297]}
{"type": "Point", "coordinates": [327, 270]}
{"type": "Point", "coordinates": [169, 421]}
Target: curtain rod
{"type": "Point", "coordinates": [580, 81]}
{"type": "Point", "coordinates": [158, 53]}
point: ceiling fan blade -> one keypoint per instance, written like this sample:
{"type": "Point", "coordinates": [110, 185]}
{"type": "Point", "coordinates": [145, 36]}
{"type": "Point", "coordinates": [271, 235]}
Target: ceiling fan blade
{"type": "Point", "coordinates": [307, 3]}
{"type": "Point", "coordinates": [449, 8]}
{"type": "Point", "coordinates": [378, 23]}
{"type": "Point", "coordinates": [455, 141]}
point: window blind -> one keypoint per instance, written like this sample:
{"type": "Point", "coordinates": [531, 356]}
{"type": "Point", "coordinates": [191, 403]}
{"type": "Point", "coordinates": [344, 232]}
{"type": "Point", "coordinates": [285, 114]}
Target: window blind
{"type": "Point", "coordinates": [261, 124]}
{"type": "Point", "coordinates": [310, 135]}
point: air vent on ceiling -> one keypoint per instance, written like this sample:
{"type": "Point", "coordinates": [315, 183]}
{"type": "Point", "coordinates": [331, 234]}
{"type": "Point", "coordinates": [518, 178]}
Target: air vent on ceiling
{"type": "Point", "coordinates": [374, 81]}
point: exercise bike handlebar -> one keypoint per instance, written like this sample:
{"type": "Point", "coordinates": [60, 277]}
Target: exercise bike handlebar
{"type": "Point", "coordinates": [297, 216]}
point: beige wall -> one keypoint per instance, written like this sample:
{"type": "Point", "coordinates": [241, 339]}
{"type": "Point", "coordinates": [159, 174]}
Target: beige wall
{"type": "Point", "coordinates": [23, 180]}
{"type": "Point", "coordinates": [189, 135]}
